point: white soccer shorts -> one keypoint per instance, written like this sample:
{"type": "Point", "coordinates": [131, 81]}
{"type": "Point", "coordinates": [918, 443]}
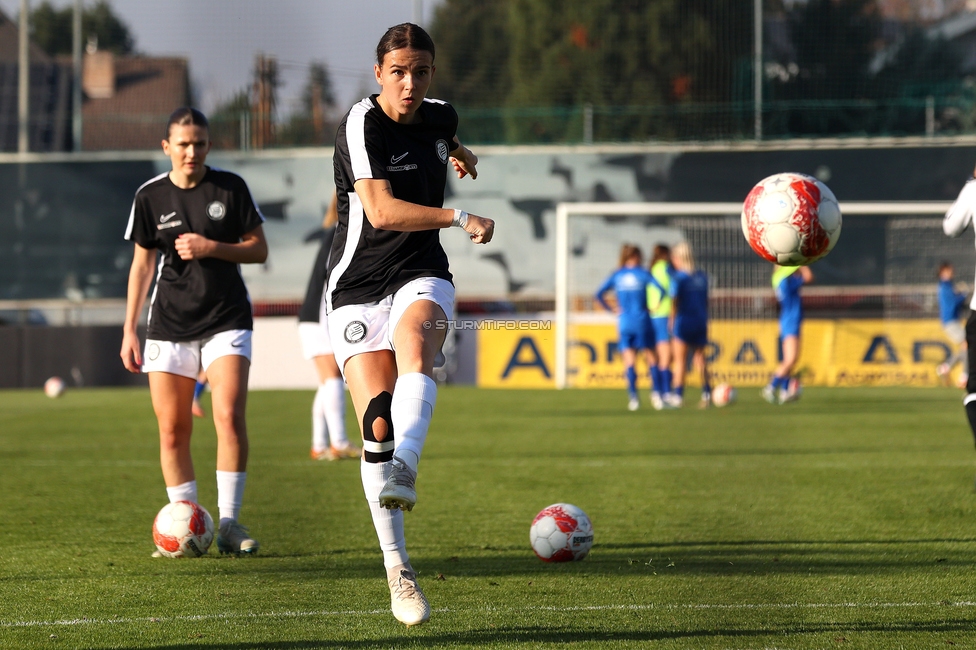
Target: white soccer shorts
{"type": "Point", "coordinates": [187, 357]}
{"type": "Point", "coordinates": [954, 331]}
{"type": "Point", "coordinates": [355, 329]}
{"type": "Point", "coordinates": [315, 339]}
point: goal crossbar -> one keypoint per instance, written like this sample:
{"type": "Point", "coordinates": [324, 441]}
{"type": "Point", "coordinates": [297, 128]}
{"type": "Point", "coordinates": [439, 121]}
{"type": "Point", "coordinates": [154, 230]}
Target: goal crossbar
{"type": "Point", "coordinates": [565, 210]}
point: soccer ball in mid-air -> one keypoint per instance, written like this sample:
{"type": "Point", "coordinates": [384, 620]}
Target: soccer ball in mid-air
{"type": "Point", "coordinates": [561, 533]}
{"type": "Point", "coordinates": [791, 219]}
{"type": "Point", "coordinates": [723, 395]}
{"type": "Point", "coordinates": [183, 529]}
{"type": "Point", "coordinates": [54, 387]}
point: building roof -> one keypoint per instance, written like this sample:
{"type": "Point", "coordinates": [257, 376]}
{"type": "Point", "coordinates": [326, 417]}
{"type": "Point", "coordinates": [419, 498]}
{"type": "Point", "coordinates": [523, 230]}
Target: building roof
{"type": "Point", "coordinates": [147, 90]}
{"type": "Point", "coordinates": [10, 43]}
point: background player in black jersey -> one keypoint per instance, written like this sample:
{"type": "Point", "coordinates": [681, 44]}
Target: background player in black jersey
{"type": "Point", "coordinates": [201, 223]}
{"type": "Point", "coordinates": [389, 291]}
{"type": "Point", "coordinates": [329, 441]}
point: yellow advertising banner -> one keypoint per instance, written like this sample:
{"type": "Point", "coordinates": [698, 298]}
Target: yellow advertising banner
{"type": "Point", "coordinates": [741, 353]}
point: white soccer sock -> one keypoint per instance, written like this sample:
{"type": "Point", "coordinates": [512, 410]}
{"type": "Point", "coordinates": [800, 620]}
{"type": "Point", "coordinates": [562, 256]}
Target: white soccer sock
{"type": "Point", "coordinates": [230, 494]}
{"type": "Point", "coordinates": [414, 396]}
{"type": "Point", "coordinates": [388, 523]}
{"type": "Point", "coordinates": [183, 492]}
{"type": "Point", "coordinates": [334, 404]}
{"type": "Point", "coordinates": [320, 428]}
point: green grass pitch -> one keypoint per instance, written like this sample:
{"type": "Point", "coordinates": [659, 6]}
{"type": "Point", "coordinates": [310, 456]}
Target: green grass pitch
{"type": "Point", "coordinates": [847, 519]}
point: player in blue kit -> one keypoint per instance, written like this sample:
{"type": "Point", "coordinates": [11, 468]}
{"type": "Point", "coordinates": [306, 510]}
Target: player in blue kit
{"type": "Point", "coordinates": [951, 303]}
{"type": "Point", "coordinates": [787, 281]}
{"type": "Point", "coordinates": [689, 309]}
{"type": "Point", "coordinates": [629, 284]}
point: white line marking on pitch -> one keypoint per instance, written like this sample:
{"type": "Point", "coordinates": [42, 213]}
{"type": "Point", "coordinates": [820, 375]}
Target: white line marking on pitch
{"type": "Point", "coordinates": [374, 612]}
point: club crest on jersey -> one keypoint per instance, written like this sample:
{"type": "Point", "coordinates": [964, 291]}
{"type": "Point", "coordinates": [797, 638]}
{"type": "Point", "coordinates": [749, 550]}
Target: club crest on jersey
{"type": "Point", "coordinates": [355, 331]}
{"type": "Point", "coordinates": [442, 150]}
{"type": "Point", "coordinates": [216, 210]}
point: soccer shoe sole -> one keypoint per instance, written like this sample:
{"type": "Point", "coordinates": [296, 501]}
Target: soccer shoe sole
{"type": "Point", "coordinates": [227, 549]}
{"type": "Point", "coordinates": [400, 500]}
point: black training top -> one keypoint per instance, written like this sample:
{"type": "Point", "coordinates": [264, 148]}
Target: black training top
{"type": "Point", "coordinates": [197, 298]}
{"type": "Point", "coordinates": [310, 311]}
{"type": "Point", "coordinates": [368, 264]}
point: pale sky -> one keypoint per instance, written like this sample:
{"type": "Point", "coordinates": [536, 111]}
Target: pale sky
{"type": "Point", "coordinates": [221, 38]}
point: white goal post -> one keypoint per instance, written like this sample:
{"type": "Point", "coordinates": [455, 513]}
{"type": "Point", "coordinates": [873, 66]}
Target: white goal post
{"type": "Point", "coordinates": [562, 240]}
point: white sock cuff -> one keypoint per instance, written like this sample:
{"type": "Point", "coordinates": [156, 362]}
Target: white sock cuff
{"type": "Point", "coordinates": [230, 475]}
{"type": "Point", "coordinates": [415, 385]}
{"type": "Point", "coordinates": [334, 384]}
{"type": "Point", "coordinates": [183, 492]}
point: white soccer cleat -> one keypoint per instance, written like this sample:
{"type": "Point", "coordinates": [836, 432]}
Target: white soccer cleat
{"type": "Point", "coordinates": [633, 404]}
{"type": "Point", "coordinates": [769, 394]}
{"type": "Point", "coordinates": [705, 401]}
{"type": "Point", "coordinates": [349, 450]}
{"type": "Point", "coordinates": [234, 538]}
{"type": "Point", "coordinates": [400, 490]}
{"type": "Point", "coordinates": [407, 601]}
{"type": "Point", "coordinates": [673, 401]}
{"type": "Point", "coordinates": [656, 402]}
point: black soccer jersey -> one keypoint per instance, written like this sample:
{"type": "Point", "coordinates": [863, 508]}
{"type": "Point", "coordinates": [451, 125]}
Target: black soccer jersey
{"type": "Point", "coordinates": [194, 299]}
{"type": "Point", "coordinates": [312, 306]}
{"type": "Point", "coordinates": [369, 264]}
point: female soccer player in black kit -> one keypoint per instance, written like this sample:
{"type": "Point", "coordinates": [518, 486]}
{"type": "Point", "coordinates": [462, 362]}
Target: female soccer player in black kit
{"type": "Point", "coordinates": [201, 223]}
{"type": "Point", "coordinates": [389, 291]}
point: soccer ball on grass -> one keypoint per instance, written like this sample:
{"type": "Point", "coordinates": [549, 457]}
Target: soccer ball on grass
{"type": "Point", "coordinates": [183, 529]}
{"type": "Point", "coordinates": [561, 533]}
{"type": "Point", "coordinates": [54, 387]}
{"type": "Point", "coordinates": [791, 219]}
{"type": "Point", "coordinates": [723, 395]}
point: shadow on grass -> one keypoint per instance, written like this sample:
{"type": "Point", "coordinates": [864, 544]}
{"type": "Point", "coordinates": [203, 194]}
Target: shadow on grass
{"type": "Point", "coordinates": [547, 635]}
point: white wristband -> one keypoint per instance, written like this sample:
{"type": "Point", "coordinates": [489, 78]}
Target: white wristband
{"type": "Point", "coordinates": [460, 218]}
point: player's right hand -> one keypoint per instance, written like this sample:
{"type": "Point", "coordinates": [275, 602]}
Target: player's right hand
{"type": "Point", "coordinates": [131, 353]}
{"type": "Point", "coordinates": [479, 228]}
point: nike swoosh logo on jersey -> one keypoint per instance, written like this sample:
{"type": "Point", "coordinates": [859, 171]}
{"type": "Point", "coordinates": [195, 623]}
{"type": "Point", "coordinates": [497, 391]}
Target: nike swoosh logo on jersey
{"type": "Point", "coordinates": [167, 217]}
{"type": "Point", "coordinates": [395, 159]}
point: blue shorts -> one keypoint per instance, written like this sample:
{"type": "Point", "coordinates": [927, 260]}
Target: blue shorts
{"type": "Point", "coordinates": [693, 337]}
{"type": "Point", "coordinates": [662, 334]}
{"type": "Point", "coordinates": [636, 336]}
{"type": "Point", "coordinates": [789, 328]}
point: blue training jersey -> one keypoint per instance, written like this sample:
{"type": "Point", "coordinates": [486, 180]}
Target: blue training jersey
{"type": "Point", "coordinates": [950, 302]}
{"type": "Point", "coordinates": [791, 306]}
{"type": "Point", "coordinates": [690, 291]}
{"type": "Point", "coordinates": [629, 284]}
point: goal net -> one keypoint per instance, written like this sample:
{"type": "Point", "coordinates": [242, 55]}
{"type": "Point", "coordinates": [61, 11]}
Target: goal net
{"type": "Point", "coordinates": [882, 269]}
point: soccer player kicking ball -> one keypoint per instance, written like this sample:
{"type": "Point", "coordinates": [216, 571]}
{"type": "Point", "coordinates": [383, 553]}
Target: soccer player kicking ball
{"type": "Point", "coordinates": [787, 281]}
{"type": "Point", "coordinates": [202, 224]}
{"type": "Point", "coordinates": [389, 290]}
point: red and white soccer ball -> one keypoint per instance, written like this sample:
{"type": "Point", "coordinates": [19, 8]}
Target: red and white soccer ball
{"type": "Point", "coordinates": [791, 219]}
{"type": "Point", "coordinates": [561, 533]}
{"type": "Point", "coordinates": [54, 387]}
{"type": "Point", "coordinates": [723, 395]}
{"type": "Point", "coordinates": [183, 529]}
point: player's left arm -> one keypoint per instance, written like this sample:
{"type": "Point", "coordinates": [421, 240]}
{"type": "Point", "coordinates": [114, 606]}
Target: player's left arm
{"type": "Point", "coordinates": [252, 249]}
{"type": "Point", "coordinates": [464, 161]}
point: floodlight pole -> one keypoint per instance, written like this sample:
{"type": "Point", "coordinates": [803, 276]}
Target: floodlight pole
{"type": "Point", "coordinates": [23, 79]}
{"type": "Point", "coordinates": [76, 96]}
{"type": "Point", "coordinates": [757, 14]}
